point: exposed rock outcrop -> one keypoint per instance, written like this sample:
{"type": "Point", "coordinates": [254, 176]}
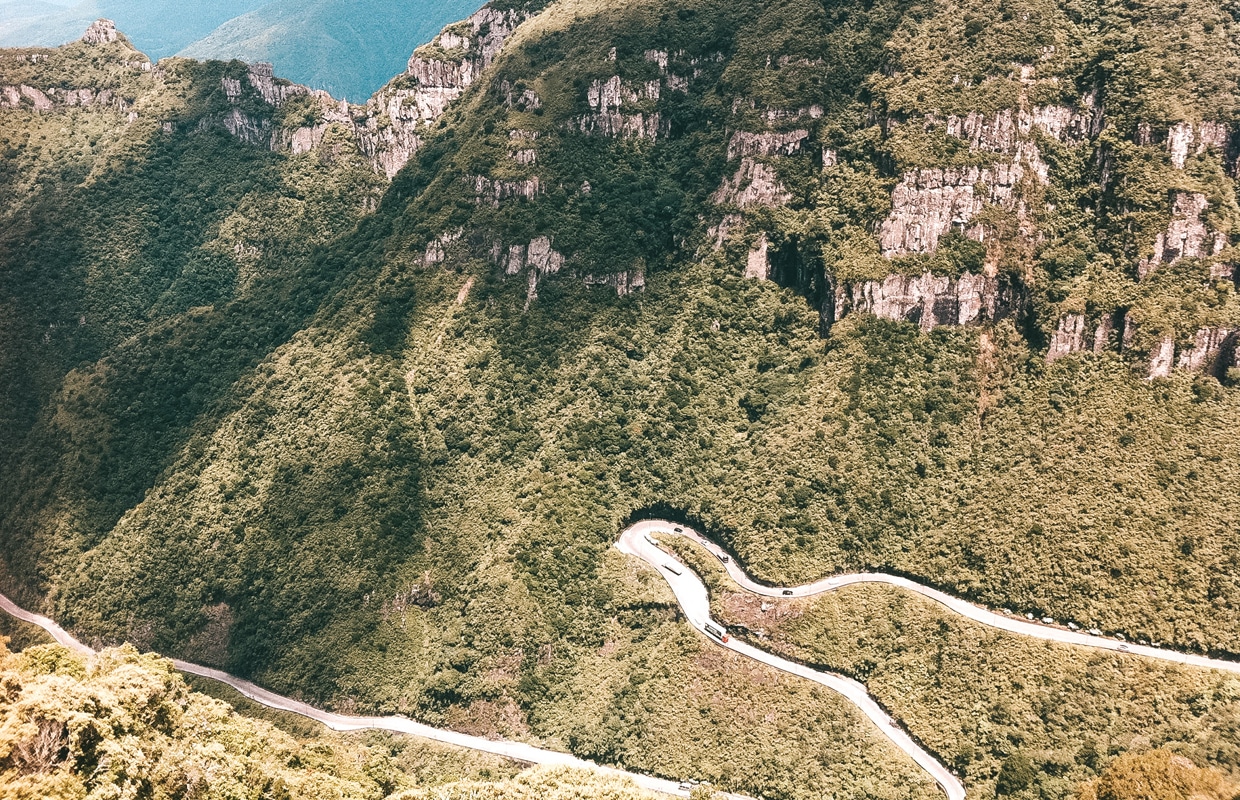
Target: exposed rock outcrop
{"type": "Point", "coordinates": [538, 257]}
{"type": "Point", "coordinates": [625, 282]}
{"type": "Point", "coordinates": [438, 74]}
{"type": "Point", "coordinates": [766, 143]}
{"type": "Point", "coordinates": [1069, 337]}
{"type": "Point", "coordinates": [275, 91]}
{"type": "Point", "coordinates": [1008, 129]}
{"type": "Point", "coordinates": [758, 263]}
{"type": "Point", "coordinates": [493, 192]}
{"type": "Point", "coordinates": [1187, 235]}
{"type": "Point", "coordinates": [1162, 357]}
{"type": "Point", "coordinates": [437, 250]}
{"type": "Point", "coordinates": [101, 31]}
{"type": "Point", "coordinates": [931, 300]}
{"type": "Point", "coordinates": [56, 98]}
{"type": "Point", "coordinates": [252, 130]}
{"type": "Point", "coordinates": [525, 157]}
{"type": "Point", "coordinates": [612, 114]}
{"type": "Point", "coordinates": [755, 183]}
{"type": "Point", "coordinates": [1184, 138]}
{"type": "Point", "coordinates": [1213, 351]}
{"type": "Point", "coordinates": [1072, 334]}
{"type": "Point", "coordinates": [929, 203]}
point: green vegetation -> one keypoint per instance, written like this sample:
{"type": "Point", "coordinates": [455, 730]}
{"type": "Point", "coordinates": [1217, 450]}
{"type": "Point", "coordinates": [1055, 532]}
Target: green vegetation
{"type": "Point", "coordinates": [21, 635]}
{"type": "Point", "coordinates": [1157, 775]}
{"type": "Point", "coordinates": [123, 724]}
{"type": "Point", "coordinates": [550, 783]}
{"type": "Point", "coordinates": [250, 425]}
{"type": "Point", "coordinates": [1016, 717]}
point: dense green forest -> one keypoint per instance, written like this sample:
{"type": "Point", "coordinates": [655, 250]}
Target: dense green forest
{"type": "Point", "coordinates": [251, 420]}
{"type": "Point", "coordinates": [121, 724]}
{"type": "Point", "coordinates": [986, 701]}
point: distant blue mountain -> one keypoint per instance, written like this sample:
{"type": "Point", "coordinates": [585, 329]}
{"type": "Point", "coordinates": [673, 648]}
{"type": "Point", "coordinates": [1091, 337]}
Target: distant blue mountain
{"type": "Point", "coordinates": [348, 47]}
{"type": "Point", "coordinates": [156, 28]}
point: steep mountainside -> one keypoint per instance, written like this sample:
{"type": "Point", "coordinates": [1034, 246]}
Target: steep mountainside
{"type": "Point", "coordinates": [946, 289]}
{"type": "Point", "coordinates": [123, 723]}
{"type": "Point", "coordinates": [348, 48]}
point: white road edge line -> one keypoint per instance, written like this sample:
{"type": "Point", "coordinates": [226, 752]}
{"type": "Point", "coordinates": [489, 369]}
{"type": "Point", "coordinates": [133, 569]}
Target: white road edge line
{"type": "Point", "coordinates": [518, 751]}
{"type": "Point", "coordinates": [693, 599]}
{"type": "Point", "coordinates": [695, 602]}
{"type": "Point", "coordinates": [691, 593]}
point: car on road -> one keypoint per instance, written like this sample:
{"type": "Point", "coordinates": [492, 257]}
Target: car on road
{"type": "Point", "coordinates": [1123, 648]}
{"type": "Point", "coordinates": [678, 530]}
{"type": "Point", "coordinates": [719, 633]}
{"type": "Point", "coordinates": [722, 557]}
{"type": "Point", "coordinates": [786, 593]}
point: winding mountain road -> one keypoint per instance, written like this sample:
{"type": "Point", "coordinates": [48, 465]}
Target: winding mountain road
{"type": "Point", "coordinates": [692, 596]}
{"type": "Point", "coordinates": [964, 608]}
{"type": "Point", "coordinates": [518, 751]}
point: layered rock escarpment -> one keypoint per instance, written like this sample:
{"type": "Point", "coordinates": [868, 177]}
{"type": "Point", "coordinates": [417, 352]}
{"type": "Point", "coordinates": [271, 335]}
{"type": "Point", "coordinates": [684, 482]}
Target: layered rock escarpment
{"type": "Point", "coordinates": [1185, 139]}
{"type": "Point", "coordinates": [388, 128]}
{"type": "Point", "coordinates": [437, 75]}
{"type": "Point", "coordinates": [260, 82]}
{"type": "Point", "coordinates": [756, 181]}
{"type": "Point", "coordinates": [1212, 350]}
{"type": "Point", "coordinates": [621, 111]}
{"type": "Point", "coordinates": [58, 97]}
{"type": "Point", "coordinates": [928, 203]}
{"type": "Point", "coordinates": [930, 300]}
{"type": "Point", "coordinates": [1186, 236]}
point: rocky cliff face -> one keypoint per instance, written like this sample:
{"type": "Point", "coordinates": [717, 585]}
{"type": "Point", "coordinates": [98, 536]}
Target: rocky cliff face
{"type": "Point", "coordinates": [101, 31]}
{"type": "Point", "coordinates": [387, 129]}
{"type": "Point", "coordinates": [929, 203]}
{"type": "Point", "coordinates": [931, 300]}
{"type": "Point", "coordinates": [1186, 236]}
{"type": "Point", "coordinates": [438, 74]}
{"type": "Point", "coordinates": [1212, 351]}
{"type": "Point", "coordinates": [1184, 139]}
{"type": "Point", "coordinates": [756, 182]}
{"type": "Point", "coordinates": [58, 96]}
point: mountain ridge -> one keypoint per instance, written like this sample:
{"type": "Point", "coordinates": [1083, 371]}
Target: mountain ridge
{"type": "Point", "coordinates": [794, 270]}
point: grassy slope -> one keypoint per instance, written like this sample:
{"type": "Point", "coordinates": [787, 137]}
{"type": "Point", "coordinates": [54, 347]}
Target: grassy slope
{"type": "Point", "coordinates": [389, 500]}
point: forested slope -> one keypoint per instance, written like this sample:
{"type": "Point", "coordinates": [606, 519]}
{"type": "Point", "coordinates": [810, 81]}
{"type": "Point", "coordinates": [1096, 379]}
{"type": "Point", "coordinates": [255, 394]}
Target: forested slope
{"type": "Point", "coordinates": [123, 724]}
{"type": "Point", "coordinates": [925, 287]}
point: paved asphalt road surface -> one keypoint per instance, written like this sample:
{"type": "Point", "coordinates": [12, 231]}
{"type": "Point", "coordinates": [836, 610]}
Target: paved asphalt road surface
{"type": "Point", "coordinates": [517, 751]}
{"type": "Point", "coordinates": [693, 599]}
{"type": "Point", "coordinates": [1011, 623]}
{"type": "Point", "coordinates": [691, 593]}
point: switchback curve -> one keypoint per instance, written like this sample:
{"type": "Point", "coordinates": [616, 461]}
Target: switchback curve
{"type": "Point", "coordinates": [693, 598]}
